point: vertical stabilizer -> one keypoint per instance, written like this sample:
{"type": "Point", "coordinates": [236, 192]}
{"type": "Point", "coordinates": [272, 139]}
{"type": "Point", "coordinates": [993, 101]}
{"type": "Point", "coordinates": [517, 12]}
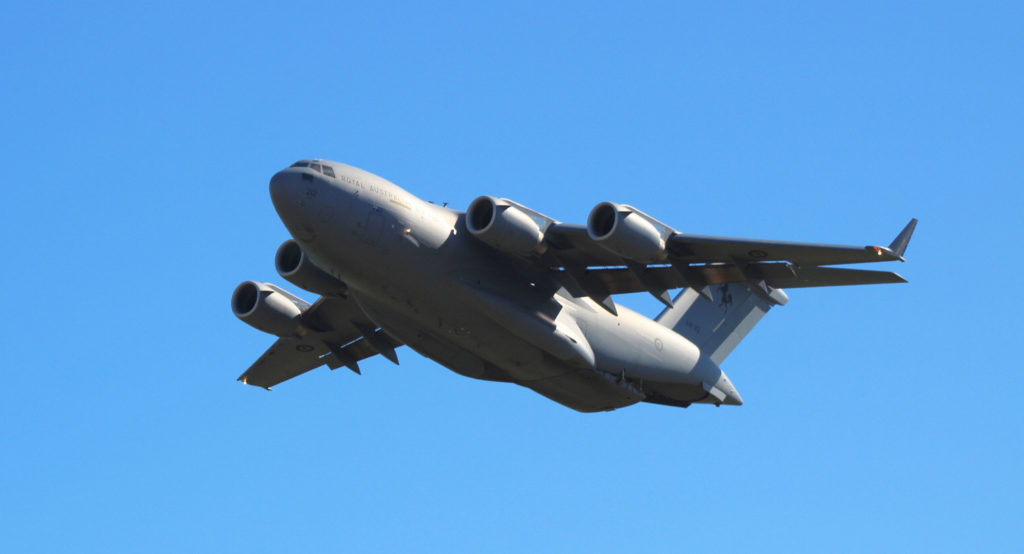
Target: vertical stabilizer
{"type": "Point", "coordinates": [718, 325]}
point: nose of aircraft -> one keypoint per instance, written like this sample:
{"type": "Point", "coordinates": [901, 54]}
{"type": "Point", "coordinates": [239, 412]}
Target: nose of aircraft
{"type": "Point", "coordinates": [281, 185]}
{"type": "Point", "coordinates": [291, 197]}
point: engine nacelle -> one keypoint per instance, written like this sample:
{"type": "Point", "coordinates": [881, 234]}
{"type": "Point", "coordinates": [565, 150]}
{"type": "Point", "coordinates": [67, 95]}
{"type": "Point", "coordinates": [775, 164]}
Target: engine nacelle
{"type": "Point", "coordinates": [268, 308]}
{"type": "Point", "coordinates": [504, 226]}
{"type": "Point", "coordinates": [626, 231]}
{"type": "Point", "coordinates": [293, 264]}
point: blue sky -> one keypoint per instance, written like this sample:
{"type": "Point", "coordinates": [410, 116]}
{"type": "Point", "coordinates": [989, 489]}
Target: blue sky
{"type": "Point", "coordinates": [138, 141]}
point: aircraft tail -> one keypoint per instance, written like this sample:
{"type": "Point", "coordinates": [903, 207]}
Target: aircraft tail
{"type": "Point", "coordinates": [718, 325]}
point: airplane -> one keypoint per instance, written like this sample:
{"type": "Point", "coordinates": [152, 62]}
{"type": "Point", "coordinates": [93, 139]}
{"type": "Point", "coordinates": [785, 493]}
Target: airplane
{"type": "Point", "coordinates": [503, 293]}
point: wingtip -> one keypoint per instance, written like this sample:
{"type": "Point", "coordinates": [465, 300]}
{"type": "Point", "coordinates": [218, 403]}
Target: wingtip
{"type": "Point", "coordinates": [244, 379]}
{"type": "Point", "coordinates": [899, 244]}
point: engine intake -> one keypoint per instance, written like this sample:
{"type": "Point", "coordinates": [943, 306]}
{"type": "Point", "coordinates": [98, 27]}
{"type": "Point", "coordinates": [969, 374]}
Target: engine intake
{"type": "Point", "coordinates": [503, 226]}
{"type": "Point", "coordinates": [627, 232]}
{"type": "Point", "coordinates": [268, 308]}
{"type": "Point", "coordinates": [294, 265]}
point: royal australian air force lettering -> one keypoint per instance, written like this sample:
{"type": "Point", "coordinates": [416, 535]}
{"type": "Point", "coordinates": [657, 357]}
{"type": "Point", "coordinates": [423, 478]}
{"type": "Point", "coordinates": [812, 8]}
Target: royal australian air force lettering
{"type": "Point", "coordinates": [390, 210]}
{"type": "Point", "coordinates": [501, 292]}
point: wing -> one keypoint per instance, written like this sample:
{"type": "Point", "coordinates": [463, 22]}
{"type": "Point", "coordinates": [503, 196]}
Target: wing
{"type": "Point", "coordinates": [287, 358]}
{"type": "Point", "coordinates": [574, 245]}
{"type": "Point", "coordinates": [588, 269]}
{"type": "Point", "coordinates": [341, 335]}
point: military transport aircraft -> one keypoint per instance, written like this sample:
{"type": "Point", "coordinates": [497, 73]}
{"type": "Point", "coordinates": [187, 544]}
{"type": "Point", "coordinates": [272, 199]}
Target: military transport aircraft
{"type": "Point", "coordinates": [503, 293]}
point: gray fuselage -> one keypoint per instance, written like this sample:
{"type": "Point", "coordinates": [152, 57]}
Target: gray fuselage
{"type": "Point", "coordinates": [419, 275]}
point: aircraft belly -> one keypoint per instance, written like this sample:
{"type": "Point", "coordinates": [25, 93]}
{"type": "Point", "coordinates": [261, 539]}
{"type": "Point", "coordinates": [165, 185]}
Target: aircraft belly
{"type": "Point", "coordinates": [453, 338]}
{"type": "Point", "coordinates": [502, 356]}
{"type": "Point", "coordinates": [581, 389]}
{"type": "Point", "coordinates": [586, 390]}
{"type": "Point", "coordinates": [481, 349]}
{"type": "Point", "coordinates": [465, 317]}
{"type": "Point", "coordinates": [449, 355]}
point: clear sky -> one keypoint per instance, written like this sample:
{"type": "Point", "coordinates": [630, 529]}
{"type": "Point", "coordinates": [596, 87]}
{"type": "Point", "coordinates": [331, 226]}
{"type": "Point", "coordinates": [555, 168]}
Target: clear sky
{"type": "Point", "coordinates": [137, 142]}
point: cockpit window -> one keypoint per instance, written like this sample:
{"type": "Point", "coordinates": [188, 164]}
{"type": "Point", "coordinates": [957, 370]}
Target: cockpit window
{"type": "Point", "coordinates": [318, 167]}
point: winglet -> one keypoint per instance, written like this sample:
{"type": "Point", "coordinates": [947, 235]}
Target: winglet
{"type": "Point", "coordinates": [899, 244]}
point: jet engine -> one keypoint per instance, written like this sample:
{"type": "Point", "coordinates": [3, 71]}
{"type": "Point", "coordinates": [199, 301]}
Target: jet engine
{"type": "Point", "coordinates": [626, 231]}
{"type": "Point", "coordinates": [293, 264]}
{"type": "Point", "coordinates": [504, 226]}
{"type": "Point", "coordinates": [268, 308]}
